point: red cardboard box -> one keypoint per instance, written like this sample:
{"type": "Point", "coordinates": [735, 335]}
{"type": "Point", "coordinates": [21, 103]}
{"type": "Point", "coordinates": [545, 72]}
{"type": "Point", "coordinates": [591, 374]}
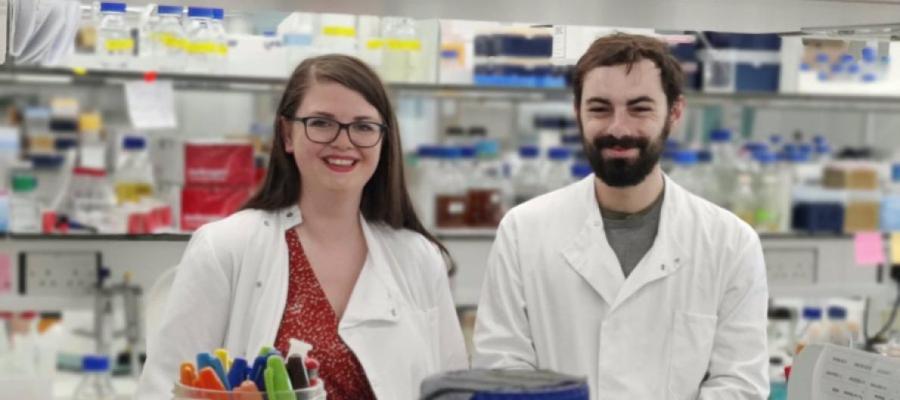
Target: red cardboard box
{"type": "Point", "coordinates": [219, 163]}
{"type": "Point", "coordinates": [200, 205]}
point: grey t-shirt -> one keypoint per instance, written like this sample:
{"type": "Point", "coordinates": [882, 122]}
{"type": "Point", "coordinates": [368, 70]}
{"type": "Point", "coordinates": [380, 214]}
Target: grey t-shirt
{"type": "Point", "coordinates": [632, 235]}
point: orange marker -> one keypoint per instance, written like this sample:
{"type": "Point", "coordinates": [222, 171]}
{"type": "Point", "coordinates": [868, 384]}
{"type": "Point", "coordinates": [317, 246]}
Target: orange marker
{"type": "Point", "coordinates": [247, 391]}
{"type": "Point", "coordinates": [209, 380]}
{"type": "Point", "coordinates": [188, 374]}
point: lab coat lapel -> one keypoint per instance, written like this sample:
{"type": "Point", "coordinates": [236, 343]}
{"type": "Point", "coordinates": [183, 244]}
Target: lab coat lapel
{"type": "Point", "coordinates": [374, 295]}
{"type": "Point", "coordinates": [665, 257]}
{"type": "Point", "coordinates": [589, 254]}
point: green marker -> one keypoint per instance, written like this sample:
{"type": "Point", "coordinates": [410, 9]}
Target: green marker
{"type": "Point", "coordinates": [281, 381]}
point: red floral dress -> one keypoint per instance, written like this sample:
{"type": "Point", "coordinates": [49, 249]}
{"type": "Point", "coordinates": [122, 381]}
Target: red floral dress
{"type": "Point", "coordinates": [308, 316]}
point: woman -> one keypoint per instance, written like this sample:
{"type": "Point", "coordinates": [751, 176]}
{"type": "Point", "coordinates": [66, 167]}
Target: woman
{"type": "Point", "coordinates": [329, 251]}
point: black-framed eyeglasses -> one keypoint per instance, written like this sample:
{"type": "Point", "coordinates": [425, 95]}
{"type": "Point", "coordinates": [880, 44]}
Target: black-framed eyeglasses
{"type": "Point", "coordinates": [325, 130]}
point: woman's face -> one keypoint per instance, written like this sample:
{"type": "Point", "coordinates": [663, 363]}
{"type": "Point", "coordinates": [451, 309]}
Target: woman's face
{"type": "Point", "coordinates": [339, 166]}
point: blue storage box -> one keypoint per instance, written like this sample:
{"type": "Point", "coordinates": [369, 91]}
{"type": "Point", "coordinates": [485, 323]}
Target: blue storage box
{"type": "Point", "coordinates": [738, 62]}
{"type": "Point", "coordinates": [813, 217]}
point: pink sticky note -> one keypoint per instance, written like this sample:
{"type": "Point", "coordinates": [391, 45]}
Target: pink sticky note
{"type": "Point", "coordinates": [869, 248]}
{"type": "Point", "coordinates": [5, 274]}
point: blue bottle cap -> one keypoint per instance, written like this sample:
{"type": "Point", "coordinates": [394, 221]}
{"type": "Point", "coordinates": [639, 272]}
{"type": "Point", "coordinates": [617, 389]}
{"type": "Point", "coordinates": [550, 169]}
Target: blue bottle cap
{"type": "Point", "coordinates": [837, 312]}
{"type": "Point", "coordinates": [812, 313]}
{"type": "Point", "coordinates": [95, 363]}
{"type": "Point", "coordinates": [559, 153]}
{"type": "Point", "coordinates": [112, 7]}
{"type": "Point", "coordinates": [199, 12]}
{"type": "Point", "coordinates": [847, 58]}
{"type": "Point", "coordinates": [580, 170]}
{"type": "Point", "coordinates": [686, 157]}
{"type": "Point", "coordinates": [134, 143]}
{"type": "Point", "coordinates": [528, 151]}
{"type": "Point", "coordinates": [169, 10]}
{"type": "Point", "coordinates": [822, 58]}
{"type": "Point", "coordinates": [218, 14]}
{"type": "Point", "coordinates": [720, 135]}
{"type": "Point", "coordinates": [869, 54]}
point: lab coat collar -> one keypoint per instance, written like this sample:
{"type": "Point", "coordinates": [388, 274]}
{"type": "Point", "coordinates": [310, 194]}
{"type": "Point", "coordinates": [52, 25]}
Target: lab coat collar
{"type": "Point", "coordinates": [373, 296]}
{"type": "Point", "coordinates": [591, 256]}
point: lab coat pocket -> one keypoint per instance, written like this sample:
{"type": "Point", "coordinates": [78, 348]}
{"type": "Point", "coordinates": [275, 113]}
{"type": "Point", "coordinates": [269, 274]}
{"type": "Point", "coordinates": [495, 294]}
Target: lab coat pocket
{"type": "Point", "coordinates": [691, 347]}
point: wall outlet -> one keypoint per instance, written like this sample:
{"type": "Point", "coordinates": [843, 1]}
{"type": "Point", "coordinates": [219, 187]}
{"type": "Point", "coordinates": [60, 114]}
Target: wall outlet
{"type": "Point", "coordinates": [791, 266]}
{"type": "Point", "coordinates": [69, 273]}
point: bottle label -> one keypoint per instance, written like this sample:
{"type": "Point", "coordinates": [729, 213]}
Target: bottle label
{"type": "Point", "coordinates": [118, 45]}
{"type": "Point", "coordinates": [375, 44]}
{"type": "Point", "coordinates": [404, 44]}
{"type": "Point", "coordinates": [339, 31]}
{"type": "Point", "coordinates": [172, 41]}
{"type": "Point", "coordinates": [203, 47]}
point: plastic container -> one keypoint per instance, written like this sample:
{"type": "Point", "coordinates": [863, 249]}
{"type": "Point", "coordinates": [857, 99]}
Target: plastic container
{"type": "Point", "coordinates": [25, 211]}
{"type": "Point", "coordinates": [134, 171]}
{"type": "Point", "coordinates": [181, 392]}
{"type": "Point", "coordinates": [450, 193]}
{"type": "Point", "coordinates": [840, 331]}
{"type": "Point", "coordinates": [220, 38]}
{"type": "Point", "coordinates": [170, 43]}
{"type": "Point", "coordinates": [402, 58]}
{"type": "Point", "coordinates": [96, 384]}
{"type": "Point", "coordinates": [810, 330]}
{"type": "Point", "coordinates": [202, 45]}
{"type": "Point", "coordinates": [685, 171]}
{"type": "Point", "coordinates": [115, 44]}
{"type": "Point", "coordinates": [772, 195]}
{"type": "Point", "coordinates": [337, 34]}
{"type": "Point", "coordinates": [527, 182]}
{"type": "Point", "coordinates": [557, 172]}
{"type": "Point", "coordinates": [484, 197]}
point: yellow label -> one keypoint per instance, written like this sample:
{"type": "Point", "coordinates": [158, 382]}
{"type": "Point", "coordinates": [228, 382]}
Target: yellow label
{"type": "Point", "coordinates": [80, 71]}
{"type": "Point", "coordinates": [404, 44]}
{"type": "Point", "coordinates": [171, 41]}
{"type": "Point", "coordinates": [203, 47]}
{"type": "Point", "coordinates": [375, 44]}
{"type": "Point", "coordinates": [116, 45]}
{"type": "Point", "coordinates": [336, 30]}
{"type": "Point", "coordinates": [222, 49]}
{"type": "Point", "coordinates": [895, 248]}
{"type": "Point", "coordinates": [133, 192]}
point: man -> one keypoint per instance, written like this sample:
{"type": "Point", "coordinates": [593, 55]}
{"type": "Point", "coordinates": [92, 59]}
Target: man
{"type": "Point", "coordinates": [625, 277]}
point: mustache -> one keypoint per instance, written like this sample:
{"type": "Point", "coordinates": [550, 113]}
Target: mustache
{"type": "Point", "coordinates": [627, 142]}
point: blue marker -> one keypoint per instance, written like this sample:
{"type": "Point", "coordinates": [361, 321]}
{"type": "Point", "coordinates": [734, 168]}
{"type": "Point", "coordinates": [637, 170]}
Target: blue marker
{"type": "Point", "coordinates": [257, 374]}
{"type": "Point", "coordinates": [208, 360]}
{"type": "Point", "coordinates": [238, 372]}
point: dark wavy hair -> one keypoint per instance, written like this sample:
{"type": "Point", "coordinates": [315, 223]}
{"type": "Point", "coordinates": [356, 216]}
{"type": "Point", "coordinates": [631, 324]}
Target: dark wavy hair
{"type": "Point", "coordinates": [385, 197]}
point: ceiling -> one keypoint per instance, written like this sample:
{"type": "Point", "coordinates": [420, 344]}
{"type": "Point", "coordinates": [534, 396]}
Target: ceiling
{"type": "Point", "coordinates": [755, 16]}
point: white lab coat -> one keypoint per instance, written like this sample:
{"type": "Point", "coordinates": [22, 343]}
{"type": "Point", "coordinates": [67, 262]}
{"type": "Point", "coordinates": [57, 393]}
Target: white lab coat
{"type": "Point", "coordinates": [555, 298]}
{"type": "Point", "coordinates": [231, 287]}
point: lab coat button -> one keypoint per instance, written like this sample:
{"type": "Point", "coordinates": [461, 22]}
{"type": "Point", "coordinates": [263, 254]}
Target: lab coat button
{"type": "Point", "coordinates": [393, 312]}
{"type": "Point", "coordinates": [662, 267]}
{"type": "Point", "coordinates": [290, 214]}
{"type": "Point", "coordinates": [266, 223]}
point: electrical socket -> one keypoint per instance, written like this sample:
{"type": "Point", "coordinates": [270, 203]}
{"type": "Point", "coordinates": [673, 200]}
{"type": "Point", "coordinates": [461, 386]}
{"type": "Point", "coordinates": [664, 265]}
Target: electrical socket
{"type": "Point", "coordinates": [70, 273]}
{"type": "Point", "coordinates": [791, 266]}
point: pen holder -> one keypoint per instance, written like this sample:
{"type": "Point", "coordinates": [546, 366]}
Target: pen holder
{"type": "Point", "coordinates": [182, 392]}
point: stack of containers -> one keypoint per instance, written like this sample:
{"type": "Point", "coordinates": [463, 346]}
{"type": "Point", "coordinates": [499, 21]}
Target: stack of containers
{"type": "Point", "coordinates": [737, 62]}
{"type": "Point", "coordinates": [516, 59]}
{"type": "Point", "coordinates": [219, 176]}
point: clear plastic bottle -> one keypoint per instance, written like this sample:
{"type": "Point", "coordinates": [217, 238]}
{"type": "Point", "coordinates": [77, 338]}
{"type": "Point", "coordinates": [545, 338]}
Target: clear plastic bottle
{"type": "Point", "coordinates": [201, 40]}
{"type": "Point", "coordinates": [726, 165]}
{"type": "Point", "coordinates": [484, 201]}
{"type": "Point", "coordinates": [742, 201]}
{"type": "Point", "coordinates": [427, 175]}
{"type": "Point", "coordinates": [220, 38]}
{"type": "Point", "coordinates": [840, 331]}
{"type": "Point", "coordinates": [115, 44]}
{"type": "Point", "coordinates": [869, 65]}
{"type": "Point", "coordinates": [169, 44]}
{"type": "Point", "coordinates": [402, 60]}
{"type": "Point", "coordinates": [557, 171]}
{"type": "Point", "coordinates": [337, 35]}
{"type": "Point", "coordinates": [96, 384]}
{"type": "Point", "coordinates": [134, 171]}
{"type": "Point", "coordinates": [527, 181]}
{"type": "Point", "coordinates": [780, 329]}
{"type": "Point", "coordinates": [685, 171]}
{"type": "Point", "coordinates": [450, 190]}
{"type": "Point", "coordinates": [770, 208]}
{"type": "Point", "coordinates": [810, 330]}
{"type": "Point", "coordinates": [25, 210]}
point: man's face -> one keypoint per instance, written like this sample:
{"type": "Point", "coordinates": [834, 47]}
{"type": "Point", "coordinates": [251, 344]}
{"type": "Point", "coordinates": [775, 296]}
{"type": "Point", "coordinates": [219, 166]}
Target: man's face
{"type": "Point", "coordinates": [625, 119]}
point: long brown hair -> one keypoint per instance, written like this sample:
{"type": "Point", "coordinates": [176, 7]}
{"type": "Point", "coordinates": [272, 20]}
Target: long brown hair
{"type": "Point", "coordinates": [385, 197]}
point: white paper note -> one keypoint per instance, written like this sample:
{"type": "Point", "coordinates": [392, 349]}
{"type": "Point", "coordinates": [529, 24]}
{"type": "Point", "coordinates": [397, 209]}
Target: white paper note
{"type": "Point", "coordinates": [151, 105]}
